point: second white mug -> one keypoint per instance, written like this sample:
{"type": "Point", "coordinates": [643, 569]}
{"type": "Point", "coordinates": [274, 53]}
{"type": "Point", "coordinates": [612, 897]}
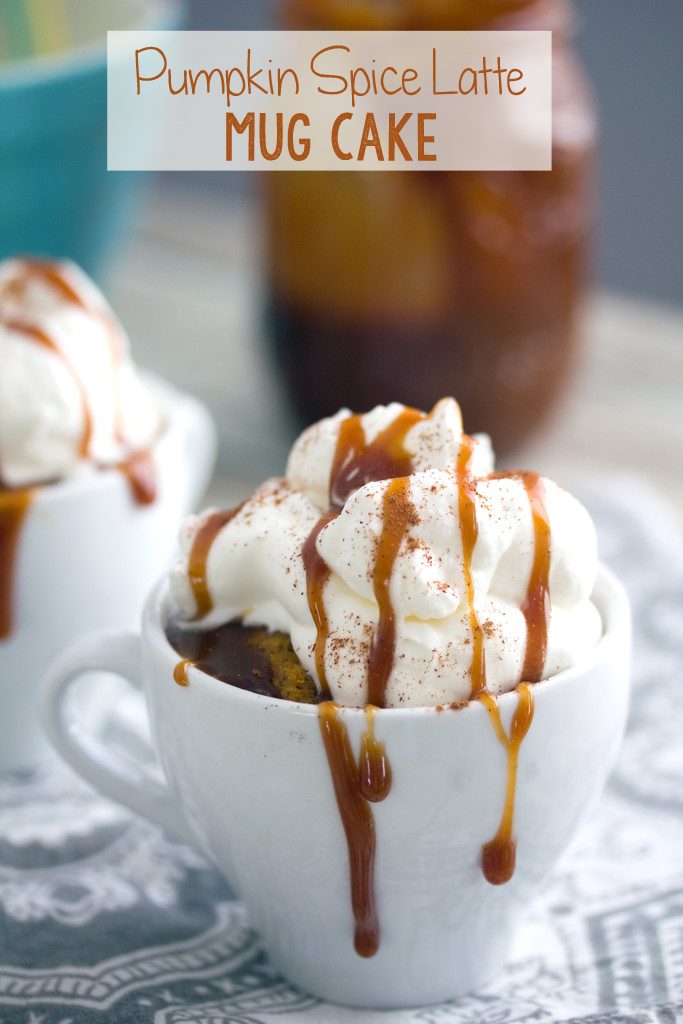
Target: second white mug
{"type": "Point", "coordinates": [86, 558]}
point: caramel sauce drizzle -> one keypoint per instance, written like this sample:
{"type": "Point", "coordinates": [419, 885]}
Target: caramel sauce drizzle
{"type": "Point", "coordinates": [199, 555]}
{"type": "Point", "coordinates": [498, 856]}
{"type": "Point", "coordinates": [139, 468]}
{"type": "Point", "coordinates": [42, 338]}
{"type": "Point", "coordinates": [398, 514]}
{"type": "Point", "coordinates": [14, 506]}
{"type": "Point", "coordinates": [469, 531]}
{"type": "Point", "coordinates": [180, 672]}
{"type": "Point", "coordinates": [317, 575]}
{"type": "Point", "coordinates": [536, 606]}
{"type": "Point", "coordinates": [355, 786]}
{"type": "Point", "coordinates": [52, 274]}
{"type": "Point", "coordinates": [140, 472]}
{"type": "Point", "coordinates": [357, 462]}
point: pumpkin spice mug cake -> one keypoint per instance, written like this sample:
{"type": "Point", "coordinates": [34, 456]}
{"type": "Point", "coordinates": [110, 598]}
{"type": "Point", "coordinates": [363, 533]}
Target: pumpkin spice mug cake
{"type": "Point", "coordinates": [384, 692]}
{"type": "Point", "coordinates": [97, 463]}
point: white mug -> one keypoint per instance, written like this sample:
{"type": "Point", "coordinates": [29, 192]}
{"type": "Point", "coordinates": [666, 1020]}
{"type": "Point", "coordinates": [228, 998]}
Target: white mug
{"type": "Point", "coordinates": [86, 559]}
{"type": "Point", "coordinates": [248, 780]}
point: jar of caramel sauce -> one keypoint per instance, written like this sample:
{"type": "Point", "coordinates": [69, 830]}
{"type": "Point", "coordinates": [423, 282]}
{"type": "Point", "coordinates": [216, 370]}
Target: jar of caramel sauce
{"type": "Point", "coordinates": [409, 286]}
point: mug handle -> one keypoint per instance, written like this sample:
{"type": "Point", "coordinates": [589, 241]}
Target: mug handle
{"type": "Point", "coordinates": [130, 782]}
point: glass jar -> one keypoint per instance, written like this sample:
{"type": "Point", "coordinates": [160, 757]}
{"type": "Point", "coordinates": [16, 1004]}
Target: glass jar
{"type": "Point", "coordinates": [409, 286]}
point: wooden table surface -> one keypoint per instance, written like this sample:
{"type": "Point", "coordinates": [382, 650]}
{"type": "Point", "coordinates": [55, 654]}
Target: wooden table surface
{"type": "Point", "coordinates": [188, 288]}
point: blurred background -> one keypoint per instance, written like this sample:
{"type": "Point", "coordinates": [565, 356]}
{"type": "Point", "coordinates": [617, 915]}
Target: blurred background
{"type": "Point", "coordinates": [632, 54]}
{"type": "Point", "coordinates": [550, 305]}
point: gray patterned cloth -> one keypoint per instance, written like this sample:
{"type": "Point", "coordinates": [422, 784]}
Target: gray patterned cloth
{"type": "Point", "coordinates": [102, 919]}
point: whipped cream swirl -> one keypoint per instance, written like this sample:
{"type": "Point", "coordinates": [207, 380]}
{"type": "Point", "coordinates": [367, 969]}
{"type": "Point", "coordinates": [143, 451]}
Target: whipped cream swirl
{"type": "Point", "coordinates": [422, 571]}
{"type": "Point", "coordinates": [69, 393]}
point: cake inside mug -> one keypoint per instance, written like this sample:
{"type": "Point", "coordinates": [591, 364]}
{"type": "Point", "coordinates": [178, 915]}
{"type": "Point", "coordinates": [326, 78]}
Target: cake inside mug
{"type": "Point", "coordinates": [391, 567]}
{"type": "Point", "coordinates": [71, 399]}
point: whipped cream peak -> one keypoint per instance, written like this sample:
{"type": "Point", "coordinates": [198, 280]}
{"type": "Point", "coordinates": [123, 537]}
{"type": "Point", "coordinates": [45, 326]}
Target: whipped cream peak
{"type": "Point", "coordinates": [405, 571]}
{"type": "Point", "coordinates": [69, 393]}
{"type": "Point", "coordinates": [430, 441]}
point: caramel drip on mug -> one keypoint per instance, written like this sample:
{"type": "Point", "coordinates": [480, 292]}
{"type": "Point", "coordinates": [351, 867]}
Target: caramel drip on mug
{"type": "Point", "coordinates": [357, 462]}
{"type": "Point", "coordinates": [199, 554]}
{"type": "Point", "coordinates": [40, 336]}
{"type": "Point", "coordinates": [349, 781]}
{"type": "Point", "coordinates": [357, 785]}
{"type": "Point", "coordinates": [14, 506]}
{"type": "Point", "coordinates": [180, 672]}
{"type": "Point", "coordinates": [398, 514]}
{"type": "Point", "coordinates": [469, 531]}
{"type": "Point", "coordinates": [499, 855]}
{"type": "Point", "coordinates": [317, 575]}
{"type": "Point", "coordinates": [375, 770]}
{"type": "Point", "coordinates": [140, 472]}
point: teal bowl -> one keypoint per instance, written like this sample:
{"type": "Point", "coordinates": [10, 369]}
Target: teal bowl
{"type": "Point", "coordinates": [57, 198]}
